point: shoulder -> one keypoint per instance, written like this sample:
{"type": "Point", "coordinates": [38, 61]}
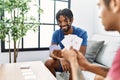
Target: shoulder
{"type": "Point", "coordinates": [80, 31]}
{"type": "Point", "coordinates": [56, 32]}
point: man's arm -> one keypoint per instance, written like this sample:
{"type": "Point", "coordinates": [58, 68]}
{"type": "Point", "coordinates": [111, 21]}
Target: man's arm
{"type": "Point", "coordinates": [76, 72]}
{"type": "Point", "coordinates": [72, 58]}
{"type": "Point", "coordinates": [87, 66]}
{"type": "Point", "coordinates": [83, 63]}
{"type": "Point", "coordinates": [84, 43]}
{"type": "Point", "coordinates": [55, 54]}
{"type": "Point", "coordinates": [83, 49]}
{"type": "Point", "coordinates": [98, 69]}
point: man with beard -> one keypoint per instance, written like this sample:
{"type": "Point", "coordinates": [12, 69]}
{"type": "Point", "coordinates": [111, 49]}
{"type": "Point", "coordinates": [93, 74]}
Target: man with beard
{"type": "Point", "coordinates": [110, 15]}
{"type": "Point", "coordinates": [64, 19]}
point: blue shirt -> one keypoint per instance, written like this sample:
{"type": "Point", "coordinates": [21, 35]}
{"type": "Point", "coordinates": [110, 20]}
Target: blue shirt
{"type": "Point", "coordinates": [58, 36]}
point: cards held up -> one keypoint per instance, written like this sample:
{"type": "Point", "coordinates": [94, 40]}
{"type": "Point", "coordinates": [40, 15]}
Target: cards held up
{"type": "Point", "coordinates": [56, 50]}
{"type": "Point", "coordinates": [68, 41]}
{"type": "Point", "coordinates": [72, 40]}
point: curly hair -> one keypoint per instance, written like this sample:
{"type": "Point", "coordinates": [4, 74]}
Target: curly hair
{"type": "Point", "coordinates": [65, 12]}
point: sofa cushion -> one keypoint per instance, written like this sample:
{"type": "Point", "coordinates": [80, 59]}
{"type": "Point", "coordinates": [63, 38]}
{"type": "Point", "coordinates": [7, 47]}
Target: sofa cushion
{"type": "Point", "coordinates": [92, 49]}
{"type": "Point", "coordinates": [108, 51]}
{"type": "Point", "coordinates": [106, 55]}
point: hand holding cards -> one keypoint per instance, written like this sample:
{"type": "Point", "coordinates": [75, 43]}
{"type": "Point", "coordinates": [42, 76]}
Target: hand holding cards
{"type": "Point", "coordinates": [56, 50]}
{"type": "Point", "coordinates": [72, 40]}
{"type": "Point", "coordinates": [54, 47]}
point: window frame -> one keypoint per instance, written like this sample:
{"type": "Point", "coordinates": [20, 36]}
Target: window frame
{"type": "Point", "coordinates": [38, 47]}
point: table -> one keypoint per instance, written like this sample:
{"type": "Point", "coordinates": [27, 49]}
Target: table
{"type": "Point", "coordinates": [34, 70]}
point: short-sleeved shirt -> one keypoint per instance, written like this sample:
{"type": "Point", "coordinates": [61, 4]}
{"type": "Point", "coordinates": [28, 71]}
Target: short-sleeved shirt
{"type": "Point", "coordinates": [58, 36]}
{"type": "Point", "coordinates": [114, 73]}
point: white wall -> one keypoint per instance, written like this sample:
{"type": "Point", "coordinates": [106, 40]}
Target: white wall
{"type": "Point", "coordinates": [84, 16]}
{"type": "Point", "coordinates": [25, 56]}
{"type": "Point", "coordinates": [84, 12]}
{"type": "Point", "coordinates": [99, 28]}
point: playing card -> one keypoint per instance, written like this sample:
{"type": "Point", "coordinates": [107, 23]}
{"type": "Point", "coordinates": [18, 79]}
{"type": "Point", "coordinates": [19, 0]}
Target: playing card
{"type": "Point", "coordinates": [72, 40]}
{"type": "Point", "coordinates": [76, 43]}
{"type": "Point", "coordinates": [54, 47]}
{"type": "Point", "coordinates": [67, 42]}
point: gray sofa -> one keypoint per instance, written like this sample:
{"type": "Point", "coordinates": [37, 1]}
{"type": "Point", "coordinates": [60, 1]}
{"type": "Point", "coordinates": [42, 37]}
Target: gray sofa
{"type": "Point", "coordinates": [101, 50]}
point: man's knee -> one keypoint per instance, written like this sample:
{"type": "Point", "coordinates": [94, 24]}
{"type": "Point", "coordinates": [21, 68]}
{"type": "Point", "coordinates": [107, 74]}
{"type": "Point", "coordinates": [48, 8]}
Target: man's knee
{"type": "Point", "coordinates": [49, 63]}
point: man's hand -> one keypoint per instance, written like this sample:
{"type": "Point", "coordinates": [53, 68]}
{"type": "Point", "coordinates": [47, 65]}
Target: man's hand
{"type": "Point", "coordinates": [57, 53]}
{"type": "Point", "coordinates": [69, 55]}
{"type": "Point", "coordinates": [82, 61]}
{"type": "Point", "coordinates": [72, 54]}
{"type": "Point", "coordinates": [65, 64]}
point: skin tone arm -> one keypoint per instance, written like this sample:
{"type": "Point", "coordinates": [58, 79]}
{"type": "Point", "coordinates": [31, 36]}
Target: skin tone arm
{"type": "Point", "coordinates": [65, 65]}
{"type": "Point", "coordinates": [76, 72]}
{"type": "Point", "coordinates": [53, 56]}
{"type": "Point", "coordinates": [72, 58]}
{"type": "Point", "coordinates": [98, 70]}
{"type": "Point", "coordinates": [83, 49]}
{"type": "Point", "coordinates": [64, 62]}
{"type": "Point", "coordinates": [83, 63]}
{"type": "Point", "coordinates": [108, 78]}
{"type": "Point", "coordinates": [87, 66]}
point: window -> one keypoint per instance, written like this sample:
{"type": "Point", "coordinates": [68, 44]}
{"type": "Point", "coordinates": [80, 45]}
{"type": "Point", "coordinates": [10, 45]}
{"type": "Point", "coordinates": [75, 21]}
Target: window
{"type": "Point", "coordinates": [41, 39]}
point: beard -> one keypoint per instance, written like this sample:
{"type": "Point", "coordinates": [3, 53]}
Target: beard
{"type": "Point", "coordinates": [65, 28]}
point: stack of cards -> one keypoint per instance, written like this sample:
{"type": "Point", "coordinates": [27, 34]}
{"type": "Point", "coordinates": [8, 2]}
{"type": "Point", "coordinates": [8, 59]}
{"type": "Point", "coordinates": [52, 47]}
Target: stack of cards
{"type": "Point", "coordinates": [27, 72]}
{"type": "Point", "coordinates": [54, 47]}
{"type": "Point", "coordinates": [72, 40]}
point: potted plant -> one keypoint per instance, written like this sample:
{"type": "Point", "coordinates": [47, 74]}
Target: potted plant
{"type": "Point", "coordinates": [15, 27]}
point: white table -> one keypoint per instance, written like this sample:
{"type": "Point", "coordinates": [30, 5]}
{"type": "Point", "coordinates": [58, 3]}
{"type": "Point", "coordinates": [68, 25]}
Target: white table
{"type": "Point", "coordinates": [35, 70]}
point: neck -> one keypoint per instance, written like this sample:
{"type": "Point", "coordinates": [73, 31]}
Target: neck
{"type": "Point", "coordinates": [70, 31]}
{"type": "Point", "coordinates": [118, 21]}
{"type": "Point", "coordinates": [119, 27]}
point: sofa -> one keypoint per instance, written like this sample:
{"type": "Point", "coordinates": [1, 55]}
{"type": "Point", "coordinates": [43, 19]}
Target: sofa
{"type": "Point", "coordinates": [101, 50]}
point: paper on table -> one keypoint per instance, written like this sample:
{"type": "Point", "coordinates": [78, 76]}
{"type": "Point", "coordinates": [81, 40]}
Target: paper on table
{"type": "Point", "coordinates": [24, 66]}
{"type": "Point", "coordinates": [30, 77]}
{"type": "Point", "coordinates": [27, 73]}
{"type": "Point", "coordinates": [26, 70]}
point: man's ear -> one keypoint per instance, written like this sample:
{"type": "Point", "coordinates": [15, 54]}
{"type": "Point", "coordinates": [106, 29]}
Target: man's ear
{"type": "Point", "coordinates": [115, 5]}
{"type": "Point", "coordinates": [71, 20]}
